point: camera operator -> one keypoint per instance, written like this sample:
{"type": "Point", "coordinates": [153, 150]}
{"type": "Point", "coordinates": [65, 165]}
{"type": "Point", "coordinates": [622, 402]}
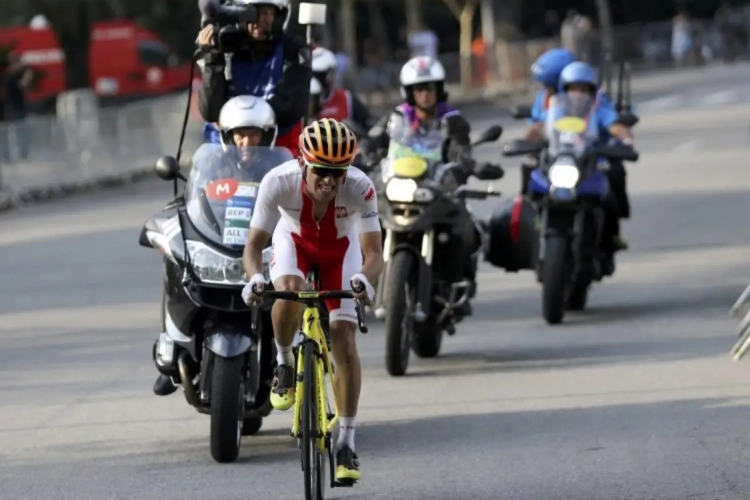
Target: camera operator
{"type": "Point", "coordinates": [263, 62]}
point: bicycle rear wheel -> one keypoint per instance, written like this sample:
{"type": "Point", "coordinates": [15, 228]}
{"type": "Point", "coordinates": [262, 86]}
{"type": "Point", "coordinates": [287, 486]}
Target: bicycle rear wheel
{"type": "Point", "coordinates": [313, 460]}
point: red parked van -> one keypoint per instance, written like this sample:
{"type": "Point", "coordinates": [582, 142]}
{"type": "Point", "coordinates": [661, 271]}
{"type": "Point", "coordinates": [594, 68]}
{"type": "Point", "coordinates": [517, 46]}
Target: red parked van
{"type": "Point", "coordinates": [125, 60]}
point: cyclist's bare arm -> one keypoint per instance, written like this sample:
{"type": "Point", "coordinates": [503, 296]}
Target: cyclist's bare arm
{"type": "Point", "coordinates": [372, 251]}
{"type": "Point", "coordinates": [252, 256]}
{"type": "Point", "coordinates": [262, 224]}
{"type": "Point", "coordinates": [368, 228]}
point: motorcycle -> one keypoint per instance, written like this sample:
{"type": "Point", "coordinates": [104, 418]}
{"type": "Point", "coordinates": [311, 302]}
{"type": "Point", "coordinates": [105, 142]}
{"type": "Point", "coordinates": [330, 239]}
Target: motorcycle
{"type": "Point", "coordinates": [209, 349]}
{"type": "Point", "coordinates": [569, 190]}
{"type": "Point", "coordinates": [427, 230]}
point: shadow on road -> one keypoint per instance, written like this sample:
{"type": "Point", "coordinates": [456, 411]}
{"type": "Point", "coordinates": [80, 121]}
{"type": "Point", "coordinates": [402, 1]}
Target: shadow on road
{"type": "Point", "coordinates": [420, 458]}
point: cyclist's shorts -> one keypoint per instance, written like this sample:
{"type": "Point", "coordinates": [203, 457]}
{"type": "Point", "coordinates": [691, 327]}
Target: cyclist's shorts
{"type": "Point", "coordinates": [337, 262]}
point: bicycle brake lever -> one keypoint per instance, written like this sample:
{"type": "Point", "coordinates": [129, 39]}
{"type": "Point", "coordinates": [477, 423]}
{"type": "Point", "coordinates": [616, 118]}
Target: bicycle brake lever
{"type": "Point", "coordinates": [255, 318]}
{"type": "Point", "coordinates": [360, 317]}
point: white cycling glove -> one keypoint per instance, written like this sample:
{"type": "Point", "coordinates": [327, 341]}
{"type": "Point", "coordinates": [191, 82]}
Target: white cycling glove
{"type": "Point", "coordinates": [257, 279]}
{"type": "Point", "coordinates": [363, 279]}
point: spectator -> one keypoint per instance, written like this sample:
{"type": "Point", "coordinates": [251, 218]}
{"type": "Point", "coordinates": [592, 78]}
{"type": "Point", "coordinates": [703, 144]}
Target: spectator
{"type": "Point", "coordinates": [682, 38]}
{"type": "Point", "coordinates": [585, 37]}
{"type": "Point", "coordinates": [569, 31]}
{"type": "Point", "coordinates": [729, 22]}
{"type": "Point", "coordinates": [551, 26]}
{"type": "Point", "coordinates": [374, 79]}
{"type": "Point", "coordinates": [423, 42]}
{"type": "Point", "coordinates": [343, 66]}
{"type": "Point", "coordinates": [16, 81]}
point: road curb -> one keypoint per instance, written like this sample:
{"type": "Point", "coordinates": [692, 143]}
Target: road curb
{"type": "Point", "coordinates": [36, 195]}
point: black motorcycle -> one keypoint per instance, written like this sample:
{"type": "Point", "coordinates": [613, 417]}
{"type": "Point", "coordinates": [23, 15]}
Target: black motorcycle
{"type": "Point", "coordinates": [428, 235]}
{"type": "Point", "coordinates": [570, 192]}
{"type": "Point", "coordinates": [208, 346]}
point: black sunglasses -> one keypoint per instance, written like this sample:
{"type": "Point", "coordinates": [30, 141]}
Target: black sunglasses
{"type": "Point", "coordinates": [336, 173]}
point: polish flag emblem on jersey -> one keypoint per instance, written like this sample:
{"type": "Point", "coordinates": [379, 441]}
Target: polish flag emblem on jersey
{"type": "Point", "coordinates": [370, 194]}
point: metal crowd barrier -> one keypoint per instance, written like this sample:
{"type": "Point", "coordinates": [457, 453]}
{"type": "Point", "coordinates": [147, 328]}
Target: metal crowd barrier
{"type": "Point", "coordinates": [110, 144]}
{"type": "Point", "coordinates": [741, 308]}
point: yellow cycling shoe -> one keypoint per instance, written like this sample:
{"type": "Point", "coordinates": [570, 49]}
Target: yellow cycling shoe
{"type": "Point", "coordinates": [282, 388]}
{"type": "Point", "coordinates": [347, 465]}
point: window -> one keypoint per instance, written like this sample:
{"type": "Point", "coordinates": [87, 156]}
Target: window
{"type": "Point", "coordinates": [154, 53]}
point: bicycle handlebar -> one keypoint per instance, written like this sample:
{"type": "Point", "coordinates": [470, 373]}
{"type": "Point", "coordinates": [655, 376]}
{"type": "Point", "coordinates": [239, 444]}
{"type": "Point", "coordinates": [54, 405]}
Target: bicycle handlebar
{"type": "Point", "coordinates": [312, 296]}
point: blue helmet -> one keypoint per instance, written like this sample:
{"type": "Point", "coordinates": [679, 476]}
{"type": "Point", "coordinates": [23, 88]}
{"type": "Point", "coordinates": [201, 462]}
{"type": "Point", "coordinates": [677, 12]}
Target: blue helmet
{"type": "Point", "coordinates": [578, 72]}
{"type": "Point", "coordinates": [547, 68]}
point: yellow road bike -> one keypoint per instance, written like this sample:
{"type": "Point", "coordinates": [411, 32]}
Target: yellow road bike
{"type": "Point", "coordinates": [313, 422]}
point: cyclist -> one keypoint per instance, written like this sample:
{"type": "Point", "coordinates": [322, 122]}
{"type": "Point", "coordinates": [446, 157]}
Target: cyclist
{"type": "Point", "coordinates": [329, 218]}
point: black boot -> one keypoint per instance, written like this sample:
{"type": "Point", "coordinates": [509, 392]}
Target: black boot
{"type": "Point", "coordinates": [164, 386]}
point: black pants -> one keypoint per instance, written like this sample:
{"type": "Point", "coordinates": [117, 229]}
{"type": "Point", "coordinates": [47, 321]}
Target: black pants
{"type": "Point", "coordinates": [617, 205]}
{"type": "Point", "coordinates": [618, 186]}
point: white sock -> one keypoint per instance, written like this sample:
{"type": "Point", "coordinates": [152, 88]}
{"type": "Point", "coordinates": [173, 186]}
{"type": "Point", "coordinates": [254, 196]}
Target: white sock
{"type": "Point", "coordinates": [284, 354]}
{"type": "Point", "coordinates": [347, 426]}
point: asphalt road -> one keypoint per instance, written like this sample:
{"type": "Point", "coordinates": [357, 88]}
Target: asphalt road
{"type": "Point", "coordinates": [634, 398]}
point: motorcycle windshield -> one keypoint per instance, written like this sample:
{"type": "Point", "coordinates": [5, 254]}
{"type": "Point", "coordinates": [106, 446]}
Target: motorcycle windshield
{"type": "Point", "coordinates": [222, 189]}
{"type": "Point", "coordinates": [412, 153]}
{"type": "Point", "coordinates": [571, 125]}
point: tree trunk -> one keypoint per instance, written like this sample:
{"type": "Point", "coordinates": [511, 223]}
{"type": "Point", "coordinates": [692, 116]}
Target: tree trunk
{"type": "Point", "coordinates": [413, 14]}
{"type": "Point", "coordinates": [348, 23]}
{"type": "Point", "coordinates": [466, 21]}
{"type": "Point", "coordinates": [378, 30]}
{"type": "Point", "coordinates": [72, 24]}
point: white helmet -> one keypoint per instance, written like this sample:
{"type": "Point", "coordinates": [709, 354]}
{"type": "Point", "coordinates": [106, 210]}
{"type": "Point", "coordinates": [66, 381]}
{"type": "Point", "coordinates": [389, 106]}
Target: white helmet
{"type": "Point", "coordinates": [246, 111]}
{"type": "Point", "coordinates": [422, 69]}
{"type": "Point", "coordinates": [315, 87]}
{"type": "Point", "coordinates": [285, 11]}
{"type": "Point", "coordinates": [323, 60]}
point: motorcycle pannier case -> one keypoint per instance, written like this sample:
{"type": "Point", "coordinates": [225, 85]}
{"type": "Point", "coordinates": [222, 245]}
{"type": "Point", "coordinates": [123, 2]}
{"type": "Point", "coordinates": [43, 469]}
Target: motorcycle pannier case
{"type": "Point", "coordinates": [512, 236]}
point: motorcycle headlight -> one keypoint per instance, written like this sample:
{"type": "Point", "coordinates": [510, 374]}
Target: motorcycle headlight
{"type": "Point", "coordinates": [564, 175]}
{"type": "Point", "coordinates": [401, 190]}
{"type": "Point", "coordinates": [214, 267]}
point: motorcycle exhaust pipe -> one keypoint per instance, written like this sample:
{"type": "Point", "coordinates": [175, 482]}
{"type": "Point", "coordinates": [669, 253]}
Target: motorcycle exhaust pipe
{"type": "Point", "coordinates": [187, 381]}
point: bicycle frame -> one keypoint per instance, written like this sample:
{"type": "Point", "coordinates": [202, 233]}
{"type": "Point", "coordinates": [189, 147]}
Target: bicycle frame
{"type": "Point", "coordinates": [312, 331]}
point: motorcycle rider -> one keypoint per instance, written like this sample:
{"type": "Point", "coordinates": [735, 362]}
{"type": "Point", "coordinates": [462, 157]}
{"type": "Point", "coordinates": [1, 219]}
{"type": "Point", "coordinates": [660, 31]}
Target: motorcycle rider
{"type": "Point", "coordinates": [245, 122]}
{"type": "Point", "coordinates": [547, 70]}
{"type": "Point", "coordinates": [270, 64]}
{"type": "Point", "coordinates": [337, 103]}
{"type": "Point", "coordinates": [425, 108]}
{"type": "Point", "coordinates": [329, 218]}
{"type": "Point", "coordinates": [580, 79]}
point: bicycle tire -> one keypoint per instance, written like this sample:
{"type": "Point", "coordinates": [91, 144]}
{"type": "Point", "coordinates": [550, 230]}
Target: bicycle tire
{"type": "Point", "coordinates": [312, 459]}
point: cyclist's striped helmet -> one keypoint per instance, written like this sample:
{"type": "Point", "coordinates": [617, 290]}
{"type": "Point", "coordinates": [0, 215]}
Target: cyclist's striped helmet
{"type": "Point", "coordinates": [328, 142]}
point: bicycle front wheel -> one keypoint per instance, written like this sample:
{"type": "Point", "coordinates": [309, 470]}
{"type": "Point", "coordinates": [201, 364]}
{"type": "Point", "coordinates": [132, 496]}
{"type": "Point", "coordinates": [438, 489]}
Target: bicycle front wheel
{"type": "Point", "coordinates": [313, 460]}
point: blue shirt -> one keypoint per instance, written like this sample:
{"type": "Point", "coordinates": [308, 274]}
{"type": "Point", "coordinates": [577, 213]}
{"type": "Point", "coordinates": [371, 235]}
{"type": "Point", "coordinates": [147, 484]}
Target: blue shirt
{"type": "Point", "coordinates": [258, 78]}
{"type": "Point", "coordinates": [605, 114]}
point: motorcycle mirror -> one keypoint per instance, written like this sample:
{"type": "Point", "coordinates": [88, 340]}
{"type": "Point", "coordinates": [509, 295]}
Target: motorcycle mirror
{"type": "Point", "coordinates": [520, 148]}
{"type": "Point", "coordinates": [489, 172]}
{"type": "Point", "coordinates": [627, 118]}
{"type": "Point", "coordinates": [520, 112]}
{"type": "Point", "coordinates": [168, 169]}
{"type": "Point", "coordinates": [490, 135]}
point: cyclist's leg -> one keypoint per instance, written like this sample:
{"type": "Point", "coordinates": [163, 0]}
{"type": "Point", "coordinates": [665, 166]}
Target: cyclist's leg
{"type": "Point", "coordinates": [289, 266]}
{"type": "Point", "coordinates": [335, 274]}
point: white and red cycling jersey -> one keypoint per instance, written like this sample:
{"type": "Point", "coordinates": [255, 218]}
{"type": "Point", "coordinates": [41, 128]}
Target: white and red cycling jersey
{"type": "Point", "coordinates": [331, 243]}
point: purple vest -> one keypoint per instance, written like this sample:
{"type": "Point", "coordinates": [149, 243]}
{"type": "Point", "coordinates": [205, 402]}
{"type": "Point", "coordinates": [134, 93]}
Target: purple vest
{"type": "Point", "coordinates": [410, 112]}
